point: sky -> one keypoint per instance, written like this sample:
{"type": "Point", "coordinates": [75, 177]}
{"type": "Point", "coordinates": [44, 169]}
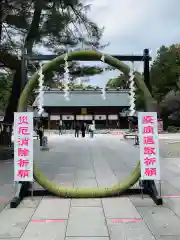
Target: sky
{"type": "Point", "coordinates": [130, 26]}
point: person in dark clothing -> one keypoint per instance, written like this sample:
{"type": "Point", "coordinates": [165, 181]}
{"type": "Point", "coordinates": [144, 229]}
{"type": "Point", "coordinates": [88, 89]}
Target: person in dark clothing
{"type": "Point", "coordinates": [60, 129]}
{"type": "Point", "coordinates": [36, 131]}
{"type": "Point", "coordinates": [133, 122]}
{"type": "Point", "coordinates": [40, 133]}
{"type": "Point", "coordinates": [77, 128]}
{"type": "Point", "coordinates": [83, 130]}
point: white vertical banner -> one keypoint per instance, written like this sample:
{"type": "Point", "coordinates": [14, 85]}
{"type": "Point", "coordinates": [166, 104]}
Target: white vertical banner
{"type": "Point", "coordinates": [149, 145]}
{"type": "Point", "coordinates": [23, 146]}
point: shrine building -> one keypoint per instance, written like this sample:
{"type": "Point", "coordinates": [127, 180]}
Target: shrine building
{"type": "Point", "coordinates": [85, 105]}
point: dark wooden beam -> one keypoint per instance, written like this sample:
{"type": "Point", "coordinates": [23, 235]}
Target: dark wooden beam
{"type": "Point", "coordinates": [126, 58]}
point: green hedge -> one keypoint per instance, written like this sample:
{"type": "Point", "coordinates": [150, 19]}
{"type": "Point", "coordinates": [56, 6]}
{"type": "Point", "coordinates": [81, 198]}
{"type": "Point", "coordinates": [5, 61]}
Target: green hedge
{"type": "Point", "coordinates": [173, 129]}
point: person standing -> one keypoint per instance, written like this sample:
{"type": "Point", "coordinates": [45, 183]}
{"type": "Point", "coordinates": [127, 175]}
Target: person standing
{"type": "Point", "coordinates": [40, 133]}
{"type": "Point", "coordinates": [87, 128]}
{"type": "Point", "coordinates": [60, 129]}
{"type": "Point", "coordinates": [77, 128]}
{"type": "Point", "coordinates": [83, 130]}
{"type": "Point", "coordinates": [91, 130]}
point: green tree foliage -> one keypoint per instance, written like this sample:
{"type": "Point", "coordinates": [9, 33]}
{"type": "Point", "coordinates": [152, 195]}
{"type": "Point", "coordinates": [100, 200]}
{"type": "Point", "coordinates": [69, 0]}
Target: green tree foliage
{"type": "Point", "coordinates": [75, 71]}
{"type": "Point", "coordinates": [5, 89]}
{"type": "Point", "coordinates": [52, 24]}
{"type": "Point", "coordinates": [123, 82]}
{"type": "Point", "coordinates": [165, 71]}
{"type": "Point", "coordinates": [81, 71]}
{"type": "Point", "coordinates": [81, 86]}
{"type": "Point", "coordinates": [120, 81]}
{"type": "Point", "coordinates": [165, 82]}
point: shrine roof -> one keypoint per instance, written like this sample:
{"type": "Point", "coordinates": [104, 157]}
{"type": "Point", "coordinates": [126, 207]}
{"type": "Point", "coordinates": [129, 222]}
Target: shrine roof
{"type": "Point", "coordinates": [85, 98]}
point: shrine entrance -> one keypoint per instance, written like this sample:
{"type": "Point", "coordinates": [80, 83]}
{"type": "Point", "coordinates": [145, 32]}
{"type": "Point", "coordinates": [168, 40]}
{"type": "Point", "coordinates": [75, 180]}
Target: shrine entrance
{"type": "Point", "coordinates": [39, 176]}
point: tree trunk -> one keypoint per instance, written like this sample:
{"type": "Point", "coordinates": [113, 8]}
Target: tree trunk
{"type": "Point", "coordinates": [1, 16]}
{"type": "Point", "coordinates": [17, 81]}
{"type": "Point", "coordinates": [34, 28]}
{"type": "Point", "coordinates": [14, 97]}
{"type": "Point", "coordinates": [5, 135]}
{"type": "Point", "coordinates": [13, 63]}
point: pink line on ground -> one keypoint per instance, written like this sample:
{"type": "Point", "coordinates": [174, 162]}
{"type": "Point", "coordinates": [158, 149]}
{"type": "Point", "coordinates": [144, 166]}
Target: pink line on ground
{"type": "Point", "coordinates": [47, 220]}
{"type": "Point", "coordinates": [5, 199]}
{"type": "Point", "coordinates": [126, 220]}
{"type": "Point", "coordinates": [171, 196]}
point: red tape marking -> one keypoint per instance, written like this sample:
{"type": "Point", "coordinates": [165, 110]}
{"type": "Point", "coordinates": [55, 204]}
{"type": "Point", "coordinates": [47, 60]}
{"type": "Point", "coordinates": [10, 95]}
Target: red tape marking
{"type": "Point", "coordinates": [170, 196]}
{"type": "Point", "coordinates": [47, 220]}
{"type": "Point", "coordinates": [126, 220]}
{"type": "Point", "coordinates": [5, 199]}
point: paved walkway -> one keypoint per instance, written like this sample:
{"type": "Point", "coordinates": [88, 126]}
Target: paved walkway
{"type": "Point", "coordinates": [91, 163]}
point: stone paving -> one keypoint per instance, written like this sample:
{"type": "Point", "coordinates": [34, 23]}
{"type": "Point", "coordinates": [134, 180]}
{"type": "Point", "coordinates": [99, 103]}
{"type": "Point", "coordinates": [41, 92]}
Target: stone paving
{"type": "Point", "coordinates": [97, 162]}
